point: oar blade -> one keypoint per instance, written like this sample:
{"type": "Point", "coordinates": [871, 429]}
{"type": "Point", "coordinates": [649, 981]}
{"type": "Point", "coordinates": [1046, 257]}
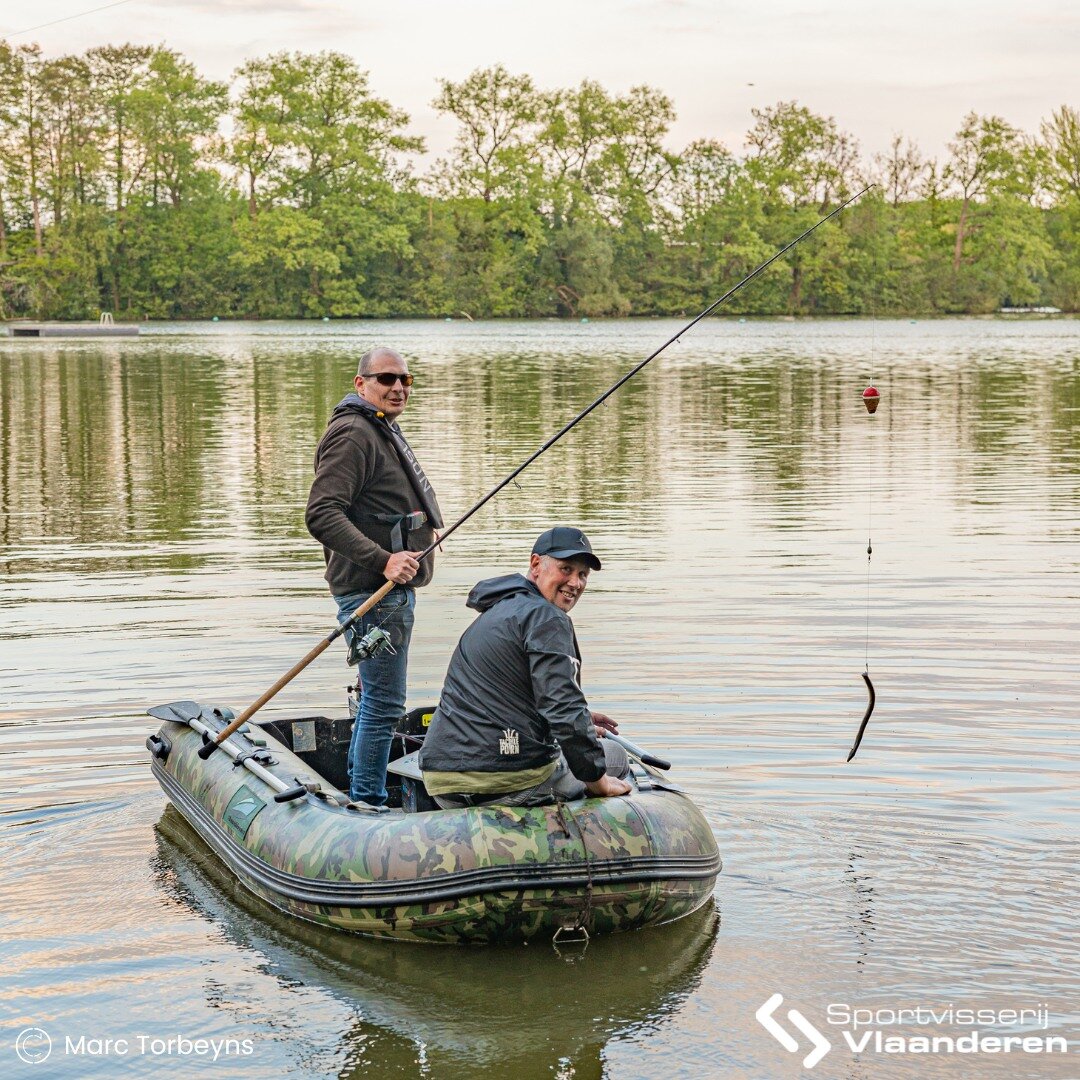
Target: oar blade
{"type": "Point", "coordinates": [179, 712]}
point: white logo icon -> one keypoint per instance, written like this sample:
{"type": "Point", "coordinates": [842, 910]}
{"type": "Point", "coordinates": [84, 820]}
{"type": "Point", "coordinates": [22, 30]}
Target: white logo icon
{"type": "Point", "coordinates": [765, 1018]}
{"type": "Point", "coordinates": [33, 1045]}
{"type": "Point", "coordinates": [510, 742]}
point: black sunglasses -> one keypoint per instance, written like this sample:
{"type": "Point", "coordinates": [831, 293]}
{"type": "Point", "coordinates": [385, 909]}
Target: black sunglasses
{"type": "Point", "coordinates": [388, 378]}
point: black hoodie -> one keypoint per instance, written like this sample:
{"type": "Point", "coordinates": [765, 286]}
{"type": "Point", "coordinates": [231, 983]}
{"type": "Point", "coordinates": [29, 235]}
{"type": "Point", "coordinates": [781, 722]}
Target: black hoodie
{"type": "Point", "coordinates": [511, 698]}
{"type": "Point", "coordinates": [361, 485]}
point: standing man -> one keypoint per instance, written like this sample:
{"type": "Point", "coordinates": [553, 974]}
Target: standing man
{"type": "Point", "coordinates": [512, 725]}
{"type": "Point", "coordinates": [373, 510]}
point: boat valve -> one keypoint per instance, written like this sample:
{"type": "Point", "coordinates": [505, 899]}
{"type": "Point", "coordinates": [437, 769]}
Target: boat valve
{"type": "Point", "coordinates": [375, 641]}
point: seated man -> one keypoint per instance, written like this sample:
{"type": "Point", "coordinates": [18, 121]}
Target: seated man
{"type": "Point", "coordinates": [512, 725]}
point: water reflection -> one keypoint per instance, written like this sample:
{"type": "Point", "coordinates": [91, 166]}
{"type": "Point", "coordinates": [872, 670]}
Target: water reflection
{"type": "Point", "coordinates": [164, 439]}
{"type": "Point", "coordinates": [522, 1011]}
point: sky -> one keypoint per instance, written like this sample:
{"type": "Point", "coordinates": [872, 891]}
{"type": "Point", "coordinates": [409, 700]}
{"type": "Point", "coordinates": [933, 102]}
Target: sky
{"type": "Point", "coordinates": [909, 67]}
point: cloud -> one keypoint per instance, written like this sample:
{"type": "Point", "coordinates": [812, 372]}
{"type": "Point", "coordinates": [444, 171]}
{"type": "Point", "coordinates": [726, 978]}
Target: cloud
{"type": "Point", "coordinates": [304, 16]}
{"type": "Point", "coordinates": [245, 8]}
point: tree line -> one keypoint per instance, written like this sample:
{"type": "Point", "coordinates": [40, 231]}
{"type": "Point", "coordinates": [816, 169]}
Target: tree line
{"type": "Point", "coordinates": [131, 183]}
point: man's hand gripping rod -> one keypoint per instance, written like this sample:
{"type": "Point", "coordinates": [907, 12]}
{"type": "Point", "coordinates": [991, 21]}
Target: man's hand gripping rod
{"type": "Point", "coordinates": [206, 750]}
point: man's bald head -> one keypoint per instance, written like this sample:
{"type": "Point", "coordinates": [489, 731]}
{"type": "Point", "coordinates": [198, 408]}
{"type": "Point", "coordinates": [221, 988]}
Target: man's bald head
{"type": "Point", "coordinates": [367, 361]}
{"type": "Point", "coordinates": [384, 381]}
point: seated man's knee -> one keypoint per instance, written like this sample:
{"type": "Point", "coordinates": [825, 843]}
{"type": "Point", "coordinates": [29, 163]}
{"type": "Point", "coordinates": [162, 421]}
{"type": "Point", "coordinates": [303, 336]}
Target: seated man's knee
{"type": "Point", "coordinates": [616, 759]}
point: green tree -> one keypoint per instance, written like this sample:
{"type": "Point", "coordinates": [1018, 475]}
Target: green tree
{"type": "Point", "coordinates": [492, 157]}
{"type": "Point", "coordinates": [801, 163]}
{"type": "Point", "coordinates": [174, 118]}
{"type": "Point", "coordinates": [181, 257]}
{"type": "Point", "coordinates": [604, 165]}
{"type": "Point", "coordinates": [117, 73]}
{"type": "Point", "coordinates": [1061, 138]}
{"type": "Point", "coordinates": [638, 165]}
{"type": "Point", "coordinates": [576, 270]}
{"type": "Point", "coordinates": [283, 259]}
{"type": "Point", "coordinates": [800, 159]}
{"type": "Point", "coordinates": [308, 127]}
{"type": "Point", "coordinates": [494, 183]}
{"type": "Point", "coordinates": [899, 172]}
{"type": "Point", "coordinates": [73, 135]}
{"type": "Point", "coordinates": [309, 135]}
{"type": "Point", "coordinates": [713, 222]}
{"type": "Point", "coordinates": [260, 136]}
{"type": "Point", "coordinates": [129, 181]}
{"type": "Point", "coordinates": [983, 162]}
{"type": "Point", "coordinates": [11, 76]}
{"type": "Point", "coordinates": [25, 146]}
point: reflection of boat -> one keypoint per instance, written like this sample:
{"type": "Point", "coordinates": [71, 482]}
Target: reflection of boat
{"type": "Point", "coordinates": [507, 1010]}
{"type": "Point", "coordinates": [484, 873]}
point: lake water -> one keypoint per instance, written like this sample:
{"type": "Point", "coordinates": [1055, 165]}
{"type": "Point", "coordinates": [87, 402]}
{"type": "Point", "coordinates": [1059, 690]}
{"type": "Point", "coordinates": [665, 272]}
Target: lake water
{"type": "Point", "coordinates": [152, 548]}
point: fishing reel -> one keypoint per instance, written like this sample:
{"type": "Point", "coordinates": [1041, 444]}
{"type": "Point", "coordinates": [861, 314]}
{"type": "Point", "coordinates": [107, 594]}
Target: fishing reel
{"type": "Point", "coordinates": [375, 641]}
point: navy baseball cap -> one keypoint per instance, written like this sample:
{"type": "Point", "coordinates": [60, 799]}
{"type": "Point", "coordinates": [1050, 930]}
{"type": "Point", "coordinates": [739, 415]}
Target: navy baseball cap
{"type": "Point", "coordinates": [566, 543]}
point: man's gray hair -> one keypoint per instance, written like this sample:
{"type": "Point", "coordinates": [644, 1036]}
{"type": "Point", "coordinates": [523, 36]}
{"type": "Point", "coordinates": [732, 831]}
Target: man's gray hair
{"type": "Point", "coordinates": [369, 358]}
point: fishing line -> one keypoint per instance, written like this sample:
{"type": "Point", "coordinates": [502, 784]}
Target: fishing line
{"type": "Point", "coordinates": [870, 490]}
{"type": "Point", "coordinates": [871, 399]}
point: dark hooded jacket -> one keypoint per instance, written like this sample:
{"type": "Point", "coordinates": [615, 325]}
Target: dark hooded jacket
{"type": "Point", "coordinates": [511, 698]}
{"type": "Point", "coordinates": [361, 490]}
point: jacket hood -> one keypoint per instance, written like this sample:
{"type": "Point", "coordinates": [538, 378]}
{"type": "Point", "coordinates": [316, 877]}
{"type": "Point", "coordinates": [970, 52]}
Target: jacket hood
{"type": "Point", "coordinates": [354, 403]}
{"type": "Point", "coordinates": [486, 594]}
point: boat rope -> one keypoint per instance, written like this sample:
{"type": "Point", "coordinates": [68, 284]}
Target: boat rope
{"type": "Point", "coordinates": [584, 920]}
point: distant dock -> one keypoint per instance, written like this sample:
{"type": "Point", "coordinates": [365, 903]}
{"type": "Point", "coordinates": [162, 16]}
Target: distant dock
{"type": "Point", "coordinates": [1029, 311]}
{"type": "Point", "coordinates": [104, 327]}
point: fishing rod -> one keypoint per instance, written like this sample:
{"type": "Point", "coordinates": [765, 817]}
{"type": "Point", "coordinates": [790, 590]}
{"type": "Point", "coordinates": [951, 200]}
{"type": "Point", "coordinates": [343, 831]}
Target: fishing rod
{"type": "Point", "coordinates": [211, 745]}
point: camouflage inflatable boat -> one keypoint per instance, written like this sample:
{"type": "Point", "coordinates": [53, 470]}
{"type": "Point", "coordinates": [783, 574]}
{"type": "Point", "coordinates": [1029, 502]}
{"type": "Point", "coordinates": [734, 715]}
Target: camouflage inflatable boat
{"type": "Point", "coordinates": [267, 805]}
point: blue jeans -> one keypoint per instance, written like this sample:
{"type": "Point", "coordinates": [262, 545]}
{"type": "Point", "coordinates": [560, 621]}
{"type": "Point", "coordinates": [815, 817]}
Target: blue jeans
{"type": "Point", "coordinates": [382, 701]}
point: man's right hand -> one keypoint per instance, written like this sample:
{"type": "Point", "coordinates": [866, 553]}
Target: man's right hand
{"type": "Point", "coordinates": [401, 567]}
{"type": "Point", "coordinates": [608, 785]}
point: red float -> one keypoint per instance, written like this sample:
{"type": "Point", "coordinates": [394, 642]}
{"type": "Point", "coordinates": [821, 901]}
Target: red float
{"type": "Point", "coordinates": [871, 397]}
